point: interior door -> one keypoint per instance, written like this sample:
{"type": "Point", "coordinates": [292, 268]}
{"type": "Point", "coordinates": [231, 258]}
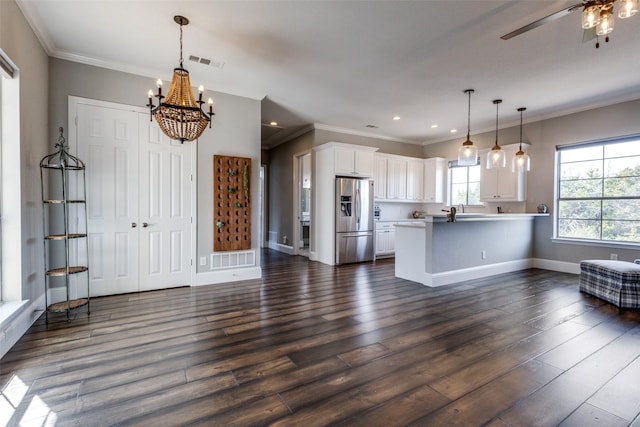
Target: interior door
{"type": "Point", "coordinates": [138, 201]}
{"type": "Point", "coordinates": [165, 227]}
{"type": "Point", "coordinates": [108, 144]}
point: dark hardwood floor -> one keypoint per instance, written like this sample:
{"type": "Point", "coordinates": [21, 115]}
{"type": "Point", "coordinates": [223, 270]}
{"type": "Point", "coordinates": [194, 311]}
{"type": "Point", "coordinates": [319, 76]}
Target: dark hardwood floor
{"type": "Point", "coordinates": [312, 345]}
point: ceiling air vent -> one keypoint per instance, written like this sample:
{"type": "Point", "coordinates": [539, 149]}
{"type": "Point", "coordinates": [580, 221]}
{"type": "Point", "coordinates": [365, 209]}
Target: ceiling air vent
{"type": "Point", "coordinates": [206, 61]}
{"type": "Point", "coordinates": [371, 126]}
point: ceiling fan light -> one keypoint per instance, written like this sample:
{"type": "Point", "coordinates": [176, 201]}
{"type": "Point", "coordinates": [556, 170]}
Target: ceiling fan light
{"type": "Point", "coordinates": [590, 16]}
{"type": "Point", "coordinates": [606, 24]}
{"type": "Point", "coordinates": [627, 8]}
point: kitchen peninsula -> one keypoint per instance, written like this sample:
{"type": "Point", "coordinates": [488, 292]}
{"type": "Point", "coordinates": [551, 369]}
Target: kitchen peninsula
{"type": "Point", "coordinates": [436, 252]}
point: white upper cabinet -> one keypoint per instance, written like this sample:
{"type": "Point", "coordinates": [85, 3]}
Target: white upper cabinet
{"type": "Point", "coordinates": [396, 178]}
{"type": "Point", "coordinates": [409, 179]}
{"type": "Point", "coordinates": [500, 184]}
{"type": "Point", "coordinates": [415, 179]}
{"type": "Point", "coordinates": [434, 180]}
{"type": "Point", "coordinates": [380, 177]}
{"type": "Point", "coordinates": [354, 161]}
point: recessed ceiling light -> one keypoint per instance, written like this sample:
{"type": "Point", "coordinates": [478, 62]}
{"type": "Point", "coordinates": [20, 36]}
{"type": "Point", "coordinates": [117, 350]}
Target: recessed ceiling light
{"type": "Point", "coordinates": [273, 123]}
{"type": "Point", "coordinates": [396, 118]}
{"type": "Point", "coordinates": [433, 126]}
{"type": "Point", "coordinates": [453, 130]}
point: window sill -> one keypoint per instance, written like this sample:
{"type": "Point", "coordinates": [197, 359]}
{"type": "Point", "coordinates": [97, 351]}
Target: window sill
{"type": "Point", "coordinates": [621, 245]}
{"type": "Point", "coordinates": [8, 310]}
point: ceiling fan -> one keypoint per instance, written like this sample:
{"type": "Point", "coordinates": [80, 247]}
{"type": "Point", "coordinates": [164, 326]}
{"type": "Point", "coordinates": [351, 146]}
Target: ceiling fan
{"type": "Point", "coordinates": [597, 18]}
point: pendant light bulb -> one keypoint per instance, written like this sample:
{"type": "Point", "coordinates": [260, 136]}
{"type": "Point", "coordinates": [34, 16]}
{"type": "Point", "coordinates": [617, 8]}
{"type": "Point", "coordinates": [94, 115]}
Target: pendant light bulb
{"type": "Point", "coordinates": [627, 8]}
{"type": "Point", "coordinates": [496, 157]}
{"type": "Point", "coordinates": [468, 153]}
{"type": "Point", "coordinates": [521, 161]}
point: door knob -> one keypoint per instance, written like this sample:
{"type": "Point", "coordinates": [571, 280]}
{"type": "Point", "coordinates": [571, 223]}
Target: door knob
{"type": "Point", "coordinates": [145, 225]}
{"type": "Point", "coordinates": [134, 225]}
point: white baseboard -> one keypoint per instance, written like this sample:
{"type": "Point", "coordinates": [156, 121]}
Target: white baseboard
{"type": "Point", "coordinates": [230, 275]}
{"type": "Point", "coordinates": [16, 324]}
{"type": "Point", "coordinates": [280, 247]}
{"type": "Point", "coordinates": [446, 278]}
{"type": "Point", "coordinates": [561, 266]}
{"type": "Point", "coordinates": [313, 256]}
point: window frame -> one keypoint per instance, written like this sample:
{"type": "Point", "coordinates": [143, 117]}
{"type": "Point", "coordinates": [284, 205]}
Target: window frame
{"type": "Point", "coordinates": [453, 164]}
{"type": "Point", "coordinates": [557, 193]}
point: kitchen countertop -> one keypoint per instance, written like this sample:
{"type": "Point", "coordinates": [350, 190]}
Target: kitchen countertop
{"type": "Point", "coordinates": [464, 217]}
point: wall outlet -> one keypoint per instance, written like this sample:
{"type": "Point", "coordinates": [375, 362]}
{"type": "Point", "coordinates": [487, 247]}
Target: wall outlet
{"type": "Point", "coordinates": [483, 254]}
{"type": "Point", "coordinates": [203, 260]}
{"type": "Point", "coordinates": [613, 256]}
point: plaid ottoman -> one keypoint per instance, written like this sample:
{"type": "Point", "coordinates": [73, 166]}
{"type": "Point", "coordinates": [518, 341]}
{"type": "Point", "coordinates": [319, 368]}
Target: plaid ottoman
{"type": "Point", "coordinates": [617, 282]}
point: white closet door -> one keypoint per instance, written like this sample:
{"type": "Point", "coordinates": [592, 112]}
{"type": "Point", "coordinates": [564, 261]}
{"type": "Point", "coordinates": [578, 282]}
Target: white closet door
{"type": "Point", "coordinates": [165, 202]}
{"type": "Point", "coordinates": [108, 144]}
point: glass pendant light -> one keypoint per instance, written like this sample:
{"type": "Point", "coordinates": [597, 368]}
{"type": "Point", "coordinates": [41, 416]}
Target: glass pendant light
{"type": "Point", "coordinates": [627, 8]}
{"type": "Point", "coordinates": [590, 16]}
{"type": "Point", "coordinates": [468, 153]}
{"type": "Point", "coordinates": [521, 161]}
{"type": "Point", "coordinates": [496, 158]}
{"type": "Point", "coordinates": [606, 24]}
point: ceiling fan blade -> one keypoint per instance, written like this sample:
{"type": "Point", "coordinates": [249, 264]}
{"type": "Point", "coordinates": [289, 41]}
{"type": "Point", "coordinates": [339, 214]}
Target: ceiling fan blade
{"type": "Point", "coordinates": [588, 34]}
{"type": "Point", "coordinates": [542, 21]}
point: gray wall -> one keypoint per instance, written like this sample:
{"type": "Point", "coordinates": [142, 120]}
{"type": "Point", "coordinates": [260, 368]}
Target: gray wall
{"type": "Point", "coordinates": [235, 131]}
{"type": "Point", "coordinates": [26, 256]}
{"type": "Point", "coordinates": [605, 122]}
{"type": "Point", "coordinates": [280, 171]}
{"type": "Point", "coordinates": [280, 179]}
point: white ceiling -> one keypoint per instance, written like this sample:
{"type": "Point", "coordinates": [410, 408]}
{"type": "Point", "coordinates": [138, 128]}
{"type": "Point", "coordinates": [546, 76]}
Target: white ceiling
{"type": "Point", "coordinates": [348, 64]}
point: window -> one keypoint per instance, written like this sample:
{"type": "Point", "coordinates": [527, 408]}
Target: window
{"type": "Point", "coordinates": [464, 184]}
{"type": "Point", "coordinates": [598, 193]}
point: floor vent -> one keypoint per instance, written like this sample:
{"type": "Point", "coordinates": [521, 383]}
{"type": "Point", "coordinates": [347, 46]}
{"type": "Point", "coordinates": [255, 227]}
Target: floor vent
{"type": "Point", "coordinates": [221, 260]}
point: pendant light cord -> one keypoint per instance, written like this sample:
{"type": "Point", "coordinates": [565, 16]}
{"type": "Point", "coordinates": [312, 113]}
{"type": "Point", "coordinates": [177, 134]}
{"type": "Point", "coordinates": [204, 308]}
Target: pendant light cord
{"type": "Point", "coordinates": [521, 109]}
{"type": "Point", "coordinates": [469, 114]}
{"type": "Point", "coordinates": [497, 103]}
{"type": "Point", "coordinates": [181, 46]}
{"type": "Point", "coordinates": [520, 130]}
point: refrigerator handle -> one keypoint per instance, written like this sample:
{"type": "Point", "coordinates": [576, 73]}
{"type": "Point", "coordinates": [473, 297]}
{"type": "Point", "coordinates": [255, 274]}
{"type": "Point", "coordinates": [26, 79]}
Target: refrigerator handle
{"type": "Point", "coordinates": [358, 201]}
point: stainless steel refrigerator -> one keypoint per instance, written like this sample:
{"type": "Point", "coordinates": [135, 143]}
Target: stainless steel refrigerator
{"type": "Point", "coordinates": [354, 220]}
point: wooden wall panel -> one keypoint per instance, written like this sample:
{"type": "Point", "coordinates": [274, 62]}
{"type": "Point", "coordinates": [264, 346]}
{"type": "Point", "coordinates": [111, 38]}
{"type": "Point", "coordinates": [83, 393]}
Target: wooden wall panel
{"type": "Point", "coordinates": [231, 203]}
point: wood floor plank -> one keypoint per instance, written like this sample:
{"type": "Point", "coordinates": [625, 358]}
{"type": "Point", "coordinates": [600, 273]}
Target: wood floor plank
{"type": "Point", "coordinates": [590, 416]}
{"type": "Point", "coordinates": [311, 344]}
{"type": "Point", "coordinates": [554, 402]}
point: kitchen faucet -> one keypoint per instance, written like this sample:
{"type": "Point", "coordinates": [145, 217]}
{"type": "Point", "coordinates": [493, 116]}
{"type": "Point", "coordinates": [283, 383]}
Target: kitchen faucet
{"type": "Point", "coordinates": [461, 208]}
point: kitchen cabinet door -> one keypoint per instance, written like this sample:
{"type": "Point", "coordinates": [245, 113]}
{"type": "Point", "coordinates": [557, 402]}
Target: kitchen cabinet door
{"type": "Point", "coordinates": [396, 179]}
{"type": "Point", "coordinates": [385, 242]}
{"type": "Point", "coordinates": [415, 180]}
{"type": "Point", "coordinates": [354, 162]}
{"type": "Point", "coordinates": [434, 182]}
{"type": "Point", "coordinates": [363, 163]}
{"type": "Point", "coordinates": [501, 185]}
{"type": "Point", "coordinates": [380, 177]}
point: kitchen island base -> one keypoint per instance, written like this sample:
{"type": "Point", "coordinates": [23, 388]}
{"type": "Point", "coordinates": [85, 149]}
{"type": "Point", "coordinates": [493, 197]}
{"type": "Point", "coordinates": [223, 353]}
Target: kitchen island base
{"type": "Point", "coordinates": [437, 252]}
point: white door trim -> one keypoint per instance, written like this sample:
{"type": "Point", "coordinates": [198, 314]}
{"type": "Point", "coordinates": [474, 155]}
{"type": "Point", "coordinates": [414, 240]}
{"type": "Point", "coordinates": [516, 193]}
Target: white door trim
{"type": "Point", "coordinates": [72, 108]}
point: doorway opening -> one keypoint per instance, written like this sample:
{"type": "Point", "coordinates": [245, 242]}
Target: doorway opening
{"type": "Point", "coordinates": [302, 204]}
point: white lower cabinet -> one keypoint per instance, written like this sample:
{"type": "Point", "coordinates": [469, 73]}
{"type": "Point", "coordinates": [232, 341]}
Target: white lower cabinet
{"type": "Point", "coordinates": [385, 238]}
